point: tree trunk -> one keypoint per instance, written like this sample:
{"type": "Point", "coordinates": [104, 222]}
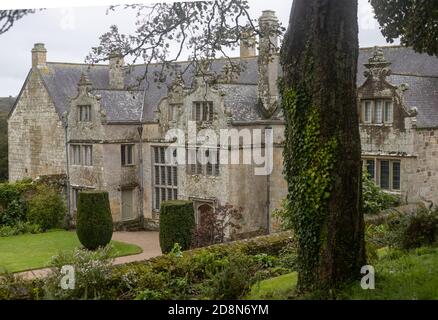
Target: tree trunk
{"type": "Point", "coordinates": [322, 152]}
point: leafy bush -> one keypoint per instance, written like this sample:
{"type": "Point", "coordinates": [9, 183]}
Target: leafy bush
{"type": "Point", "coordinates": [374, 198]}
{"type": "Point", "coordinates": [94, 220]}
{"type": "Point", "coordinates": [13, 206]}
{"type": "Point", "coordinates": [418, 230]}
{"type": "Point", "coordinates": [19, 228]}
{"type": "Point", "coordinates": [47, 208]}
{"type": "Point", "coordinates": [177, 222]}
{"type": "Point", "coordinates": [216, 225]}
{"type": "Point", "coordinates": [15, 212]}
{"type": "Point", "coordinates": [92, 271]}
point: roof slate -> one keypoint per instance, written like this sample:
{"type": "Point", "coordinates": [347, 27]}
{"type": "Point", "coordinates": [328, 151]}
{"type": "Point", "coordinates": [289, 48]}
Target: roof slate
{"type": "Point", "coordinates": [419, 71]}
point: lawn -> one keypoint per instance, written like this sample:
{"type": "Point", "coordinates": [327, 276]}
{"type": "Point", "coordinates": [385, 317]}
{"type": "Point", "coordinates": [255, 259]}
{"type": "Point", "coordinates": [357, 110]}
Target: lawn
{"type": "Point", "coordinates": [34, 251]}
{"type": "Point", "coordinates": [400, 275]}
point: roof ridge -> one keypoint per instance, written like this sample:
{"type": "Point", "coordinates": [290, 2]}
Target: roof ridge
{"type": "Point", "coordinates": [78, 64]}
{"type": "Point", "coordinates": [414, 75]}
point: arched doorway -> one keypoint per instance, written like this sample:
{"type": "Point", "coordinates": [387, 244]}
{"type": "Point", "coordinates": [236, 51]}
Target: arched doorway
{"type": "Point", "coordinates": [205, 215]}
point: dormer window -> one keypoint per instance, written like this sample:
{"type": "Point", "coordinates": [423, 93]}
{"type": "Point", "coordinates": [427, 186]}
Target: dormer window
{"type": "Point", "coordinates": [378, 111]}
{"type": "Point", "coordinates": [84, 113]}
{"type": "Point", "coordinates": [202, 111]}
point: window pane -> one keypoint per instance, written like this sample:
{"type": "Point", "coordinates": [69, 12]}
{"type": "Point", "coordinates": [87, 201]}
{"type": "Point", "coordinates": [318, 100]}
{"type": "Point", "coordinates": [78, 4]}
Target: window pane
{"type": "Point", "coordinates": [378, 111]}
{"type": "Point", "coordinates": [175, 176]}
{"type": "Point", "coordinates": [123, 155]}
{"type": "Point", "coordinates": [367, 111]}
{"type": "Point", "coordinates": [370, 169]}
{"type": "Point", "coordinates": [130, 154]}
{"type": "Point", "coordinates": [384, 174]}
{"type": "Point", "coordinates": [157, 198]}
{"type": "Point", "coordinates": [396, 175]}
{"type": "Point", "coordinates": [388, 111]}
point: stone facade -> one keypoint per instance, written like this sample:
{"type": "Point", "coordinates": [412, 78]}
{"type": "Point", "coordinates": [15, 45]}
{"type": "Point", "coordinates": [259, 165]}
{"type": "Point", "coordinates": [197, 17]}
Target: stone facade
{"type": "Point", "coordinates": [116, 138]}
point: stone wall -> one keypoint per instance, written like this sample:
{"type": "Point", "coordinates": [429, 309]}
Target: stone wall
{"type": "Point", "coordinates": [35, 134]}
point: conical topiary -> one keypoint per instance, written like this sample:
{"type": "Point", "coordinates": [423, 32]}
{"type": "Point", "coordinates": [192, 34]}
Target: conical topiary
{"type": "Point", "coordinates": [94, 220]}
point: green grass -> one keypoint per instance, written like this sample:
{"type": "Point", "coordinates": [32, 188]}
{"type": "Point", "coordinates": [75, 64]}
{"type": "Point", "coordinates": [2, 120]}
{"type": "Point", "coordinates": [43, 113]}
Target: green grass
{"type": "Point", "coordinates": [277, 288]}
{"type": "Point", "coordinates": [400, 275]}
{"type": "Point", "coordinates": [34, 251]}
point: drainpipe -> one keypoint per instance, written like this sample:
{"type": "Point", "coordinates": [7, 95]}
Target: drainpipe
{"type": "Point", "coordinates": [268, 191]}
{"type": "Point", "coordinates": [141, 175]}
{"type": "Point", "coordinates": [67, 171]}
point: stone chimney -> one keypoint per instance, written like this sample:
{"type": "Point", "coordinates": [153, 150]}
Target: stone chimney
{"type": "Point", "coordinates": [268, 61]}
{"type": "Point", "coordinates": [116, 71]}
{"type": "Point", "coordinates": [247, 45]}
{"type": "Point", "coordinates": [39, 56]}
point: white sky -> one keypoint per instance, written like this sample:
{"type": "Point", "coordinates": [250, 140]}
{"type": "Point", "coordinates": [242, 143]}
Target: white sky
{"type": "Point", "coordinates": [70, 32]}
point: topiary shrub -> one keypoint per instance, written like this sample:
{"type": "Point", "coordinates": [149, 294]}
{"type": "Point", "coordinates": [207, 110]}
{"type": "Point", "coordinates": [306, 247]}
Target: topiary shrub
{"type": "Point", "coordinates": [46, 208]}
{"type": "Point", "coordinates": [94, 225]}
{"type": "Point", "coordinates": [177, 222]}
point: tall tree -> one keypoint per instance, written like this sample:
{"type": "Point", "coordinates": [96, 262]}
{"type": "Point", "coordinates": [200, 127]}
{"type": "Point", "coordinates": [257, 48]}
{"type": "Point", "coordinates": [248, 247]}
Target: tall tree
{"type": "Point", "coordinates": [322, 150]}
{"type": "Point", "coordinates": [415, 22]}
{"type": "Point", "coordinates": [9, 17]}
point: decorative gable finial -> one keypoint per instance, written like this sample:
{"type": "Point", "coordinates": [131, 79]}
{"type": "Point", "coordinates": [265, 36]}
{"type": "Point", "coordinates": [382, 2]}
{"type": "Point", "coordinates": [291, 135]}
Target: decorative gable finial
{"type": "Point", "coordinates": [377, 66]}
{"type": "Point", "coordinates": [84, 84]}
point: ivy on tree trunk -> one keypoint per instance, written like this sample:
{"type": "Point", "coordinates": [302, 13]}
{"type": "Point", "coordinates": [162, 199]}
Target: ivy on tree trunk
{"type": "Point", "coordinates": [322, 152]}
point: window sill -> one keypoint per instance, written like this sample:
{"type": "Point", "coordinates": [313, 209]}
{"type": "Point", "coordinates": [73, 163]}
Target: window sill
{"type": "Point", "coordinates": [128, 165]}
{"type": "Point", "coordinates": [376, 124]}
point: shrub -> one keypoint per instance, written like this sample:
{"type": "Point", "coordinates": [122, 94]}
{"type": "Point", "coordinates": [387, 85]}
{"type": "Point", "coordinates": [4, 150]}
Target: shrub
{"type": "Point", "coordinates": [19, 228]}
{"type": "Point", "coordinates": [47, 208]}
{"type": "Point", "coordinates": [216, 225]}
{"type": "Point", "coordinates": [374, 199]}
{"type": "Point", "coordinates": [419, 229]}
{"type": "Point", "coordinates": [92, 275]}
{"type": "Point", "coordinates": [94, 220]}
{"type": "Point", "coordinates": [15, 212]}
{"type": "Point", "coordinates": [177, 221]}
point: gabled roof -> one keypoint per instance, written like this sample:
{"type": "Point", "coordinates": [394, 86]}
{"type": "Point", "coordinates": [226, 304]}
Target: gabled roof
{"type": "Point", "coordinates": [419, 71]}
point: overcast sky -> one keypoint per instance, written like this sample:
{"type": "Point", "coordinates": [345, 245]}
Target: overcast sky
{"type": "Point", "coordinates": [69, 33]}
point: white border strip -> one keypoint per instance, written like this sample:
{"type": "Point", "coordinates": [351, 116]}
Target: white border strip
{"type": "Point", "coordinates": [37, 4]}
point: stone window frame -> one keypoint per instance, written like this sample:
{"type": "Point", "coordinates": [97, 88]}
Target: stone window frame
{"type": "Point", "coordinates": [164, 177]}
{"type": "Point", "coordinates": [208, 169]}
{"type": "Point", "coordinates": [387, 104]}
{"type": "Point", "coordinates": [377, 161]}
{"type": "Point", "coordinates": [81, 154]}
{"type": "Point", "coordinates": [75, 189]}
{"type": "Point", "coordinates": [127, 149]}
{"type": "Point", "coordinates": [202, 111]}
{"type": "Point", "coordinates": [173, 111]}
{"type": "Point", "coordinates": [84, 113]}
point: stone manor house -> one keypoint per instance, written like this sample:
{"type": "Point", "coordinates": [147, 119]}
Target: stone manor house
{"type": "Point", "coordinates": [86, 122]}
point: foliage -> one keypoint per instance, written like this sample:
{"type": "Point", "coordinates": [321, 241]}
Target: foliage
{"type": "Point", "coordinates": [216, 224]}
{"type": "Point", "coordinates": [34, 251]}
{"type": "Point", "coordinates": [3, 145]}
{"type": "Point", "coordinates": [405, 231]}
{"type": "Point", "coordinates": [410, 275]}
{"type": "Point", "coordinates": [19, 228]}
{"type": "Point", "coordinates": [220, 271]}
{"type": "Point", "coordinates": [309, 179]}
{"type": "Point", "coordinates": [92, 270]}
{"type": "Point", "coordinates": [414, 22]}
{"type": "Point", "coordinates": [94, 220]}
{"type": "Point", "coordinates": [177, 222]}
{"type": "Point", "coordinates": [47, 208]}
{"type": "Point", "coordinates": [203, 29]}
{"type": "Point", "coordinates": [278, 288]}
{"type": "Point", "coordinates": [13, 205]}
{"type": "Point", "coordinates": [374, 199]}
{"type": "Point", "coordinates": [413, 230]}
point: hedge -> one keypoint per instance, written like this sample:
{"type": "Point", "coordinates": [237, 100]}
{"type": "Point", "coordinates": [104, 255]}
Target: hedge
{"type": "Point", "coordinates": [94, 220]}
{"type": "Point", "coordinates": [177, 223]}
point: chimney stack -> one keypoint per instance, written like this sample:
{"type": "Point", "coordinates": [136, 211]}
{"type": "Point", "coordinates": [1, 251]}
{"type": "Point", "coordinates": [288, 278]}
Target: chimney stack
{"type": "Point", "coordinates": [268, 61]}
{"type": "Point", "coordinates": [247, 45]}
{"type": "Point", "coordinates": [39, 56]}
{"type": "Point", "coordinates": [116, 72]}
